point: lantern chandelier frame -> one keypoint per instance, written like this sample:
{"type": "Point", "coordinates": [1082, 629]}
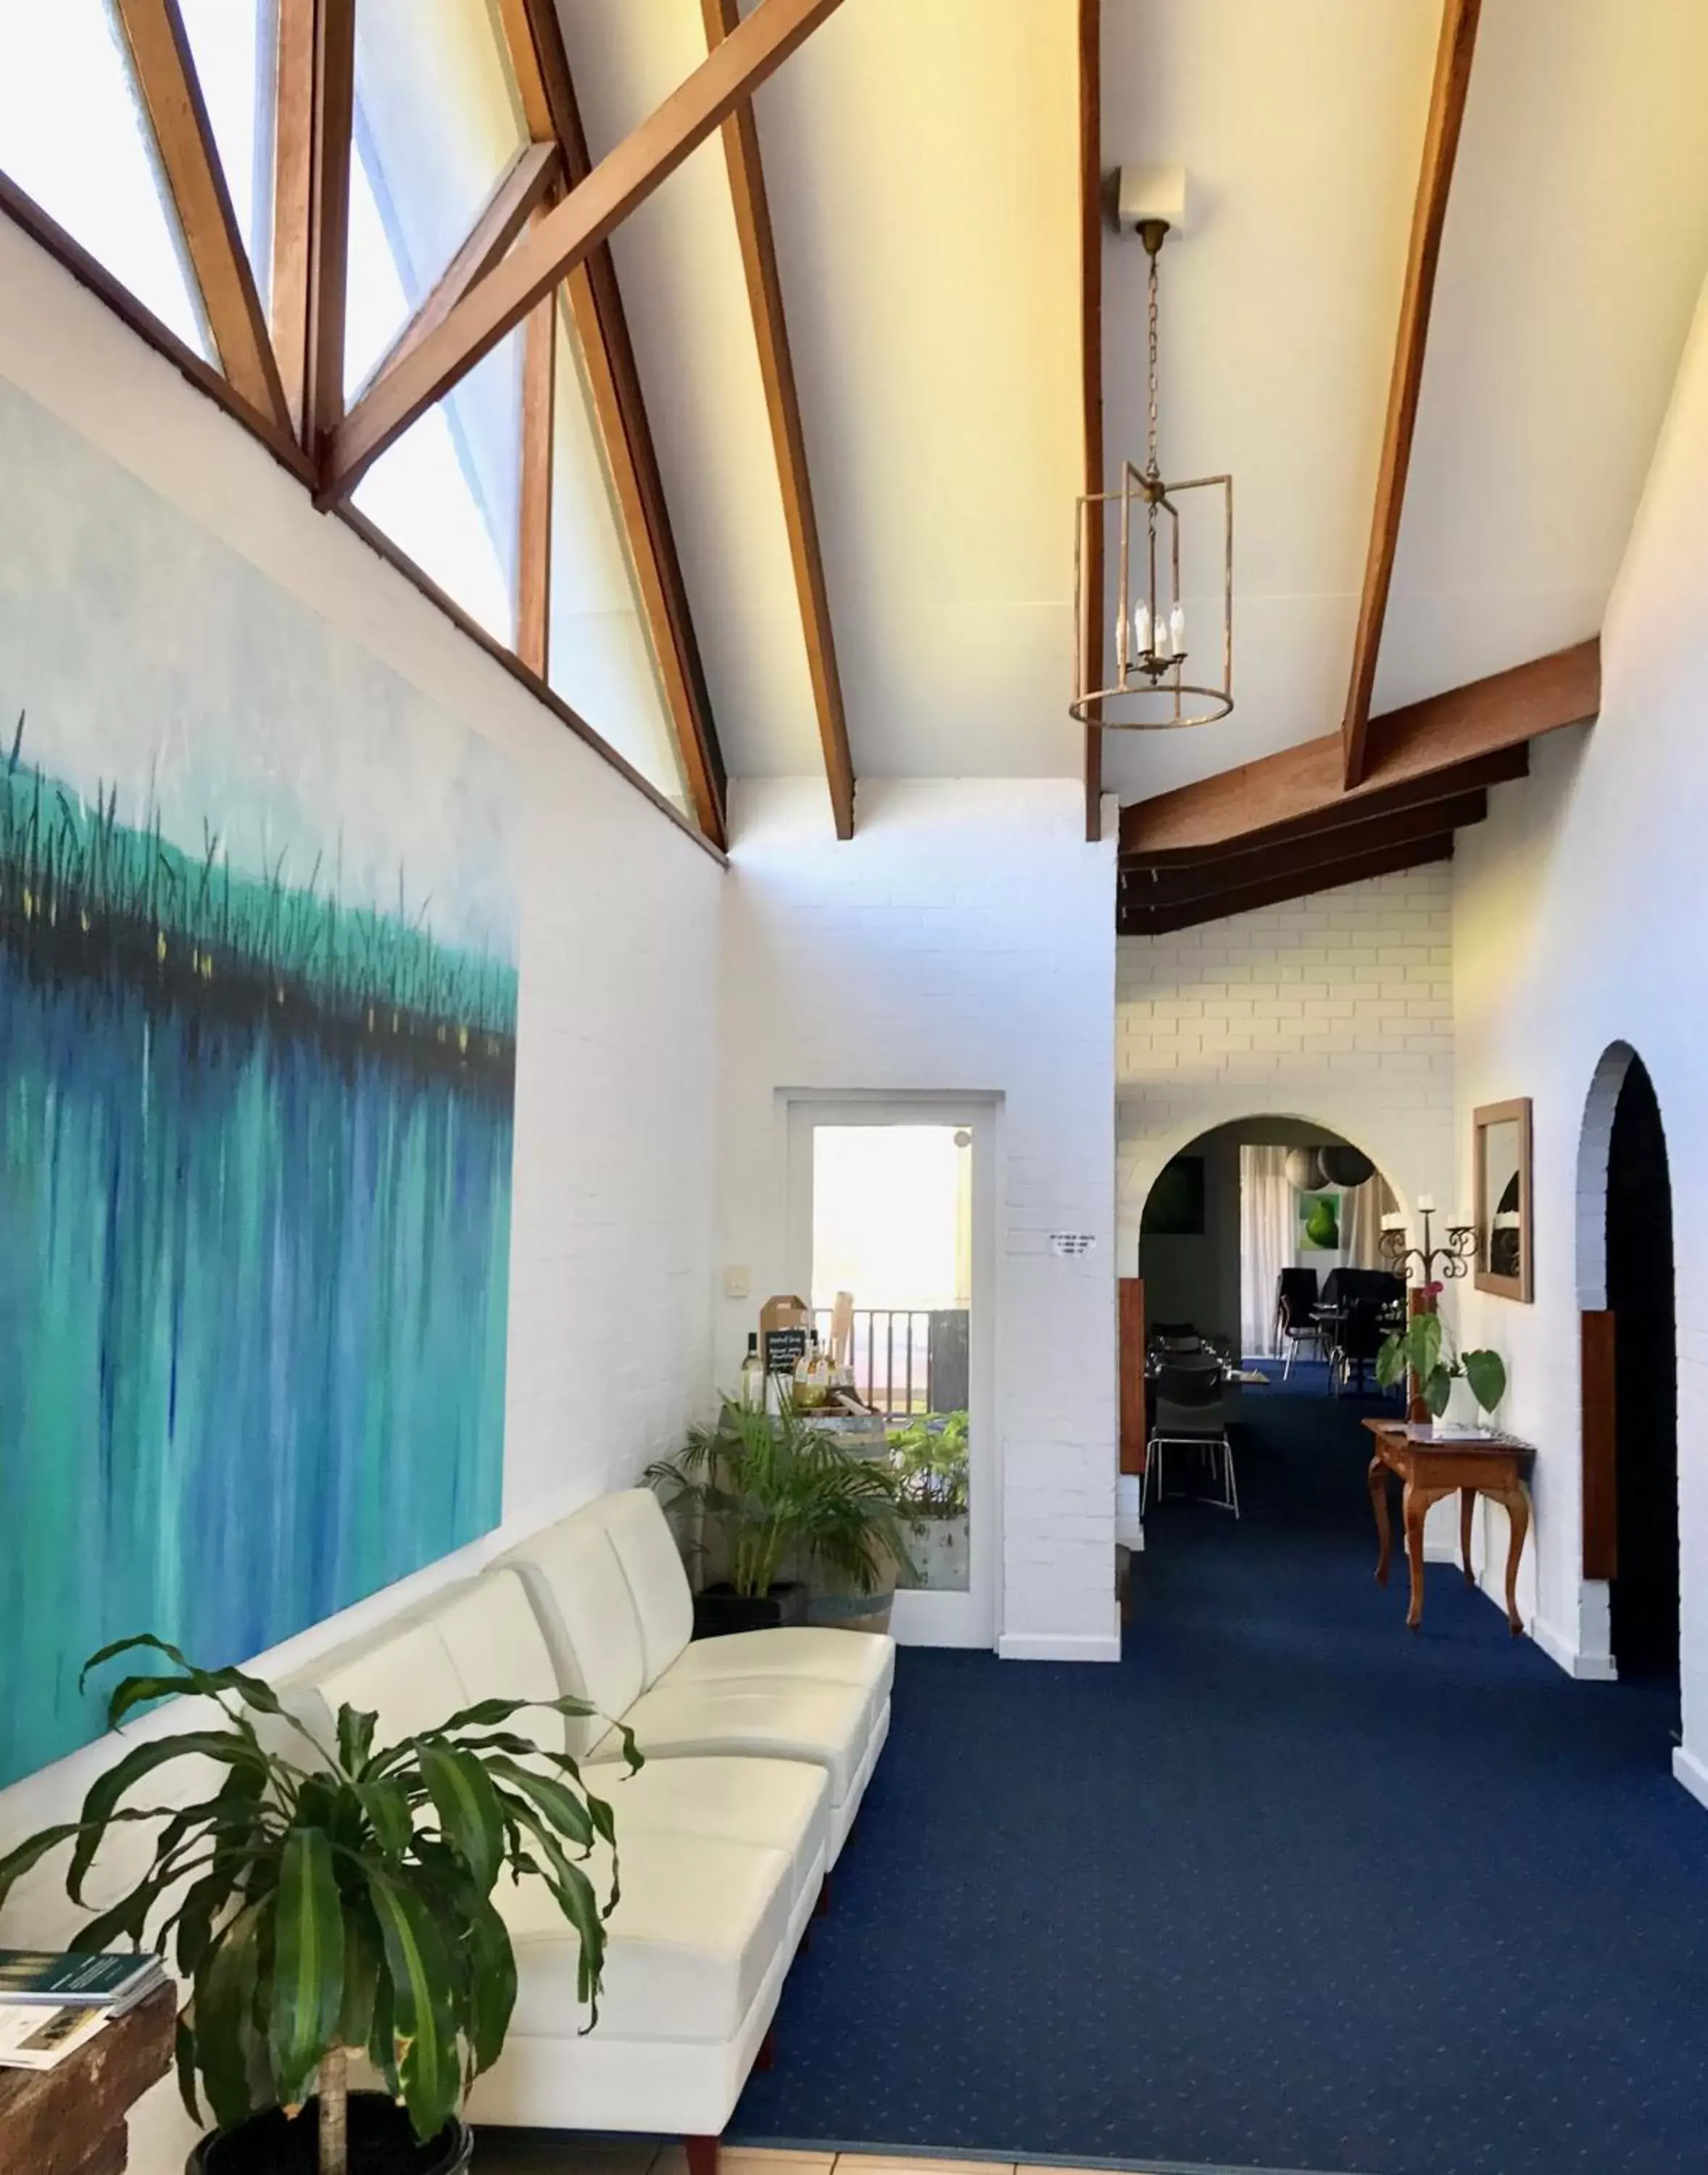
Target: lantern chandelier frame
{"type": "Point", "coordinates": [1150, 691]}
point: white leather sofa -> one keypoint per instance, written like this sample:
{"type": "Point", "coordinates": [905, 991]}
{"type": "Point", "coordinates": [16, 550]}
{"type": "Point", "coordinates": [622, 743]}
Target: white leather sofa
{"type": "Point", "coordinates": [758, 1749]}
{"type": "Point", "coordinates": [614, 1602]}
{"type": "Point", "coordinates": [722, 1860]}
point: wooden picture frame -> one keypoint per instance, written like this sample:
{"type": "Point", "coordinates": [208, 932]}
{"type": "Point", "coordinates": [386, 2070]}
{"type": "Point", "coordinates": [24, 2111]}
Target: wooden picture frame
{"type": "Point", "coordinates": [1501, 1167]}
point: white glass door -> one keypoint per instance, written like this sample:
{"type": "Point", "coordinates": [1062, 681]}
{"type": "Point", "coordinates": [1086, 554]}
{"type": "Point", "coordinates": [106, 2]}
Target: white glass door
{"type": "Point", "coordinates": [890, 1224]}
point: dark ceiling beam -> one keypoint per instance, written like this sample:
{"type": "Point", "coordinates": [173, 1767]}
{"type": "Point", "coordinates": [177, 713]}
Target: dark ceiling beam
{"type": "Point", "coordinates": [166, 74]}
{"type": "Point", "coordinates": [1353, 810]}
{"type": "Point", "coordinates": [315, 112]}
{"type": "Point", "coordinates": [1090, 633]}
{"type": "Point", "coordinates": [591, 212]}
{"type": "Point", "coordinates": [1300, 858]}
{"type": "Point", "coordinates": [788, 439]}
{"type": "Point", "coordinates": [1278, 890]}
{"type": "Point", "coordinates": [1410, 744]}
{"type": "Point", "coordinates": [1452, 81]}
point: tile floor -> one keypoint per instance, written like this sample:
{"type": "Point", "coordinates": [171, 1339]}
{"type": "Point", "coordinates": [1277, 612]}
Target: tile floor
{"type": "Point", "coordinates": [497, 2154]}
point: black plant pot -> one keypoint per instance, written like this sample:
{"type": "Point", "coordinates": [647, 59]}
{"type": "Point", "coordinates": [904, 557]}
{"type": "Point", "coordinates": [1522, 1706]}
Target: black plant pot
{"type": "Point", "coordinates": [381, 2143]}
{"type": "Point", "coordinates": [720, 1610]}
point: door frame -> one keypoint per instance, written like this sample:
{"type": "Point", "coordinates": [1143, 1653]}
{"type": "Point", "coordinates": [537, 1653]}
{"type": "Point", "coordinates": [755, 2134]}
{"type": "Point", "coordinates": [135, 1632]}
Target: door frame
{"type": "Point", "coordinates": [973, 1619]}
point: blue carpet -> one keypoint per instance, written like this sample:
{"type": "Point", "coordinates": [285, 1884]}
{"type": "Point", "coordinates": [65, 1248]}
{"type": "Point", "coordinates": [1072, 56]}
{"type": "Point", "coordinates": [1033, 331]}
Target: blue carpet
{"type": "Point", "coordinates": [1287, 1888]}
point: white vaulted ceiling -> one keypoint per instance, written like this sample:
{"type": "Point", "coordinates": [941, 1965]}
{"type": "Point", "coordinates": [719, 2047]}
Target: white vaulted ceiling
{"type": "Point", "coordinates": [921, 157]}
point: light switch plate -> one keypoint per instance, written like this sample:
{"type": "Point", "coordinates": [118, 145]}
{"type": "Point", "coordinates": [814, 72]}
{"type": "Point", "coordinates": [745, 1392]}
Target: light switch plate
{"type": "Point", "coordinates": [737, 1283]}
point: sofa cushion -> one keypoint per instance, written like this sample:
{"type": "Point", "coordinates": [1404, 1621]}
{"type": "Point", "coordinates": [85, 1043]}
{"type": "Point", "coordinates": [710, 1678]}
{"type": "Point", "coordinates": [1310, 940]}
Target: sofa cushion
{"type": "Point", "coordinates": [700, 1922]}
{"type": "Point", "coordinates": [774, 1717]}
{"type": "Point", "coordinates": [495, 1640]}
{"type": "Point", "coordinates": [582, 1599]}
{"type": "Point", "coordinates": [783, 1805]}
{"type": "Point", "coordinates": [408, 1680]}
{"type": "Point", "coordinates": [647, 1550]}
{"type": "Point", "coordinates": [866, 1659]}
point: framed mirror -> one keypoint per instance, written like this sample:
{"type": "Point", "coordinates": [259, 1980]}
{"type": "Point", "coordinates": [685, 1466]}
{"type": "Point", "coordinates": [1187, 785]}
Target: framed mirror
{"type": "Point", "coordinates": [1500, 1136]}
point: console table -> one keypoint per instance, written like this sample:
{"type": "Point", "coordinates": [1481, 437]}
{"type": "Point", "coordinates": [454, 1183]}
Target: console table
{"type": "Point", "coordinates": [1491, 1465]}
{"type": "Point", "coordinates": [71, 2120]}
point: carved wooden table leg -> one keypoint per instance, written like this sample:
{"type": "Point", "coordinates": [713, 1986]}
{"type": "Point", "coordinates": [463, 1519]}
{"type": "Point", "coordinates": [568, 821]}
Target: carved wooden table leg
{"type": "Point", "coordinates": [1467, 1508]}
{"type": "Point", "coordinates": [1415, 1503]}
{"type": "Point", "coordinates": [1378, 1503]}
{"type": "Point", "coordinates": [1516, 1499]}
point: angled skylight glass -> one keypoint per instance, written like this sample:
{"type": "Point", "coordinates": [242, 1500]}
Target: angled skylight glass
{"type": "Point", "coordinates": [235, 46]}
{"type": "Point", "coordinates": [600, 658]}
{"type": "Point", "coordinates": [447, 492]}
{"type": "Point", "coordinates": [73, 136]}
{"type": "Point", "coordinates": [438, 121]}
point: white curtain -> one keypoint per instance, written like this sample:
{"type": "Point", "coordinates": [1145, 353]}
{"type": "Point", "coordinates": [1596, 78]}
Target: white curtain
{"type": "Point", "coordinates": [1266, 1243]}
{"type": "Point", "coordinates": [1362, 1208]}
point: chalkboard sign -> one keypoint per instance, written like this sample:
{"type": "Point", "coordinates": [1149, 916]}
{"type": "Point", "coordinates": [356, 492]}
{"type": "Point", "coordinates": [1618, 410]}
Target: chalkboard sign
{"type": "Point", "coordinates": [782, 1347]}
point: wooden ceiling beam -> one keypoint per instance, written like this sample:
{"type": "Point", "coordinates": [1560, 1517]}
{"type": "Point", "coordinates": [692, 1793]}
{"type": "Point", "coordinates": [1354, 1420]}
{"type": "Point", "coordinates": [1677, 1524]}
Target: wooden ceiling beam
{"type": "Point", "coordinates": [1352, 811]}
{"type": "Point", "coordinates": [788, 437]}
{"type": "Point", "coordinates": [593, 209]}
{"type": "Point", "coordinates": [1146, 885]}
{"type": "Point", "coordinates": [594, 301]}
{"type": "Point", "coordinates": [166, 74]}
{"type": "Point", "coordinates": [1406, 744]}
{"type": "Point", "coordinates": [1091, 349]}
{"type": "Point", "coordinates": [528, 180]}
{"type": "Point", "coordinates": [1279, 889]}
{"type": "Point", "coordinates": [315, 106]}
{"type": "Point", "coordinates": [1452, 81]}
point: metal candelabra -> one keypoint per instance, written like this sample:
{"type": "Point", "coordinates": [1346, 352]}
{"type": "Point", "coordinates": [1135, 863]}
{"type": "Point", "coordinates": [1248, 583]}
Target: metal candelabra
{"type": "Point", "coordinates": [1418, 1264]}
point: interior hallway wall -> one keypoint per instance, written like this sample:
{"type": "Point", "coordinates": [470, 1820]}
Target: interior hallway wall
{"type": "Point", "coordinates": [609, 1328]}
{"type": "Point", "coordinates": [1578, 916]}
{"type": "Point", "coordinates": [963, 939]}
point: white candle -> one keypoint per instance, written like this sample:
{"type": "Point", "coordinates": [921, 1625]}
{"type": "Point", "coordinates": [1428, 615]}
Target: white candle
{"type": "Point", "coordinates": [1396, 1221]}
{"type": "Point", "coordinates": [1426, 1204]}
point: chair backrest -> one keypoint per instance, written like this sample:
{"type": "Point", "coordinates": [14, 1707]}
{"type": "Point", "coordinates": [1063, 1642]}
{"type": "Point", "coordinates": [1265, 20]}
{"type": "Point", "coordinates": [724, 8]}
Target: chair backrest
{"type": "Point", "coordinates": [1350, 1287]}
{"type": "Point", "coordinates": [1362, 1331]}
{"type": "Point", "coordinates": [1189, 1383]}
{"type": "Point", "coordinates": [658, 1586]}
{"type": "Point", "coordinates": [1295, 1295]}
{"type": "Point", "coordinates": [1165, 1332]}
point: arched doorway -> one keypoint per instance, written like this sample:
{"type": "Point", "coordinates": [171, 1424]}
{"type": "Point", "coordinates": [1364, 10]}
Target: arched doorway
{"type": "Point", "coordinates": [1631, 1411]}
{"type": "Point", "coordinates": [1645, 1591]}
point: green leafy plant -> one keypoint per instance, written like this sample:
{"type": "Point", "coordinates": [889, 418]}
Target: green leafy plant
{"type": "Point", "coordinates": [779, 1490]}
{"type": "Point", "coordinates": [929, 1456]}
{"type": "Point", "coordinates": [318, 1911]}
{"type": "Point", "coordinates": [1424, 1349]}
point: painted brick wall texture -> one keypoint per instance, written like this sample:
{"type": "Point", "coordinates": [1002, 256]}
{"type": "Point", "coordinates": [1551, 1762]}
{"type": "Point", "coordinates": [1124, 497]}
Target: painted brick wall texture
{"type": "Point", "coordinates": [1337, 1008]}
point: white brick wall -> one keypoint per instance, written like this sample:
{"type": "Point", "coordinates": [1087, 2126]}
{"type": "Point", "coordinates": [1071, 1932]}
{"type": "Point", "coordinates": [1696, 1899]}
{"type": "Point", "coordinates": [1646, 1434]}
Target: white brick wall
{"type": "Point", "coordinates": [1337, 1008]}
{"type": "Point", "coordinates": [610, 1317]}
{"type": "Point", "coordinates": [963, 940]}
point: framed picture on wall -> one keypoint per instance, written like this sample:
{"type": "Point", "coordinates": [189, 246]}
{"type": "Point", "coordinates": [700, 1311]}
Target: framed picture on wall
{"type": "Point", "coordinates": [1175, 1208]}
{"type": "Point", "coordinates": [1500, 1177]}
{"type": "Point", "coordinates": [1319, 1222]}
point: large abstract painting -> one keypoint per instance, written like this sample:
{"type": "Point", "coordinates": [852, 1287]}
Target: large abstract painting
{"type": "Point", "coordinates": [257, 1017]}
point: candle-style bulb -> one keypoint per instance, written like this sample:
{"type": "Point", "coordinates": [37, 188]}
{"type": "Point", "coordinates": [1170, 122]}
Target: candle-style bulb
{"type": "Point", "coordinates": [1177, 628]}
{"type": "Point", "coordinates": [1141, 628]}
{"type": "Point", "coordinates": [1164, 648]}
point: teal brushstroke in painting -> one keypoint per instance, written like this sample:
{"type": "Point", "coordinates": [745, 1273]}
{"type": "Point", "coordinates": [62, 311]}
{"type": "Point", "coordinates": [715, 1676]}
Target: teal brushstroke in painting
{"type": "Point", "coordinates": [257, 1047]}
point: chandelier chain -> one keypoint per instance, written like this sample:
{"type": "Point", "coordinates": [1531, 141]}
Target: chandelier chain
{"type": "Point", "coordinates": [1151, 419]}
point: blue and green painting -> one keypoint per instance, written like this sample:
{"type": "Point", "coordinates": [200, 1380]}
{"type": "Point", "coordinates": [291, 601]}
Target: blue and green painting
{"type": "Point", "coordinates": [258, 1021]}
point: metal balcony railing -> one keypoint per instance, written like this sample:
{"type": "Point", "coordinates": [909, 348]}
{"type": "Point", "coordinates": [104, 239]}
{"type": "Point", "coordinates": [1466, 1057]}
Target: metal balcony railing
{"type": "Point", "coordinates": [906, 1359]}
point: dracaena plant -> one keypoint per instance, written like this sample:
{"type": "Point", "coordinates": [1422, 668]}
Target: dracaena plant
{"type": "Point", "coordinates": [1424, 1349]}
{"type": "Point", "coordinates": [317, 1911]}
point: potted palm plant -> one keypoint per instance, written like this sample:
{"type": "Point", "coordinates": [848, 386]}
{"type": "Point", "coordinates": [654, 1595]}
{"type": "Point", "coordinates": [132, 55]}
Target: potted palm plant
{"type": "Point", "coordinates": [779, 1498]}
{"type": "Point", "coordinates": [344, 1908]}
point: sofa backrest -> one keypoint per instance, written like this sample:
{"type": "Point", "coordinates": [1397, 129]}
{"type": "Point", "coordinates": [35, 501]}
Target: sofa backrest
{"type": "Point", "coordinates": [478, 1640]}
{"type": "Point", "coordinates": [658, 1586]}
{"type": "Point", "coordinates": [581, 1596]}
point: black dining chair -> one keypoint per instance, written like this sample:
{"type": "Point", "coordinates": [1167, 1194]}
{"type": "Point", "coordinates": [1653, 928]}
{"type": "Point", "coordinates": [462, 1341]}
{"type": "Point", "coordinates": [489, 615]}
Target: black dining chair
{"type": "Point", "coordinates": [1360, 1335]}
{"type": "Point", "coordinates": [1191, 1414]}
{"type": "Point", "coordinates": [1295, 1315]}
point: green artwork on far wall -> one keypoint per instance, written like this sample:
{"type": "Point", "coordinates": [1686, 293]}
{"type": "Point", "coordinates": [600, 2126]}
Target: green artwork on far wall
{"type": "Point", "coordinates": [1318, 1223]}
